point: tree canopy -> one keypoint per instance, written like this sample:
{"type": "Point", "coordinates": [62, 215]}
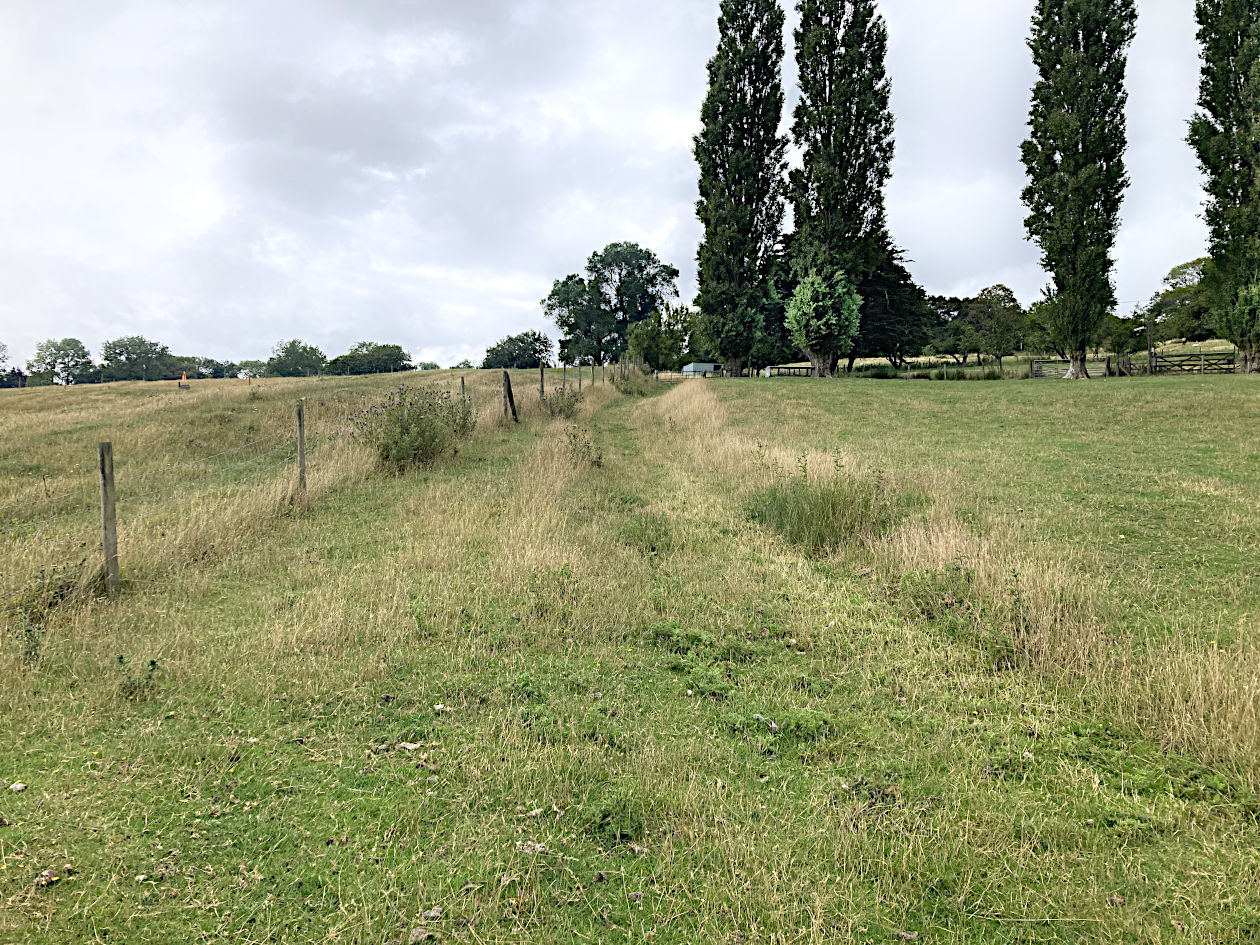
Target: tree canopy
{"type": "Point", "coordinates": [133, 358]}
{"type": "Point", "coordinates": [295, 358]}
{"type": "Point", "coordinates": [63, 362]}
{"type": "Point", "coordinates": [823, 318]}
{"type": "Point", "coordinates": [529, 349]}
{"type": "Point", "coordinates": [1225, 134]}
{"type": "Point", "coordinates": [1074, 156]}
{"type": "Point", "coordinates": [742, 160]}
{"type": "Point", "coordinates": [368, 357]}
{"type": "Point", "coordinates": [843, 125]}
{"type": "Point", "coordinates": [624, 284]}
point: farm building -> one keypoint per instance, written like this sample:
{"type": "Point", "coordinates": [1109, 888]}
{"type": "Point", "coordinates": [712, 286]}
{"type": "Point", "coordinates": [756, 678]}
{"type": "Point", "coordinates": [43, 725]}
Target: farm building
{"type": "Point", "coordinates": [700, 368]}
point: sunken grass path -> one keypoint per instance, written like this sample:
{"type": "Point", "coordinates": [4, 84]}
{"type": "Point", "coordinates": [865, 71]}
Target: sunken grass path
{"type": "Point", "coordinates": [563, 688]}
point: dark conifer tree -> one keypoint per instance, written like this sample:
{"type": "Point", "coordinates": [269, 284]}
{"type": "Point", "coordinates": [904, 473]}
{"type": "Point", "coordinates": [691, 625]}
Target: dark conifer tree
{"type": "Point", "coordinates": [741, 157]}
{"type": "Point", "coordinates": [844, 128]}
{"type": "Point", "coordinates": [1074, 156]}
{"type": "Point", "coordinates": [1226, 136]}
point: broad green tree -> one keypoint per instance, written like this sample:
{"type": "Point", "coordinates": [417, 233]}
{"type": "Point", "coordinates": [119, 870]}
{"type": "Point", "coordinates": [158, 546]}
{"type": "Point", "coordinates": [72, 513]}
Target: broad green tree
{"type": "Point", "coordinates": [1074, 156]}
{"type": "Point", "coordinates": [998, 320]}
{"type": "Point", "coordinates": [661, 340]}
{"type": "Point", "coordinates": [843, 126]}
{"type": "Point", "coordinates": [368, 357]}
{"type": "Point", "coordinates": [624, 284]}
{"type": "Point", "coordinates": [741, 158]}
{"type": "Point", "coordinates": [529, 349]}
{"type": "Point", "coordinates": [823, 318]}
{"type": "Point", "coordinates": [1225, 134]}
{"type": "Point", "coordinates": [1182, 309]}
{"type": "Point", "coordinates": [64, 362]}
{"type": "Point", "coordinates": [295, 358]}
{"type": "Point", "coordinates": [133, 358]}
{"type": "Point", "coordinates": [894, 320]}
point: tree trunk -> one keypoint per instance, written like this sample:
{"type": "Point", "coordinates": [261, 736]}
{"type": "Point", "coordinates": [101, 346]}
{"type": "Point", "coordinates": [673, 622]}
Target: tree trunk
{"type": "Point", "coordinates": [823, 363]}
{"type": "Point", "coordinates": [1078, 371]}
{"type": "Point", "coordinates": [1249, 361]}
{"type": "Point", "coordinates": [734, 367]}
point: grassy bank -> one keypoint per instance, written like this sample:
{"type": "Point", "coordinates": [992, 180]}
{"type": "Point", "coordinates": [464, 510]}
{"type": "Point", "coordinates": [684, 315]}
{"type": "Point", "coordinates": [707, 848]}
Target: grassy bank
{"type": "Point", "coordinates": [590, 680]}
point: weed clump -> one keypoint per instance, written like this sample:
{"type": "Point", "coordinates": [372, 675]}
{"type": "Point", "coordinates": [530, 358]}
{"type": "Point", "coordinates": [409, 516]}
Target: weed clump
{"type": "Point", "coordinates": [27, 611]}
{"type": "Point", "coordinates": [562, 402]}
{"type": "Point", "coordinates": [582, 449]}
{"type": "Point", "coordinates": [635, 384]}
{"type": "Point", "coordinates": [613, 814]}
{"type": "Point", "coordinates": [136, 687]}
{"type": "Point", "coordinates": [648, 533]}
{"type": "Point", "coordinates": [414, 426]}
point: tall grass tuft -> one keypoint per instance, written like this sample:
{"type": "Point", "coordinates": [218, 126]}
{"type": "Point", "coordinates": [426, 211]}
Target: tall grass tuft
{"type": "Point", "coordinates": [821, 514]}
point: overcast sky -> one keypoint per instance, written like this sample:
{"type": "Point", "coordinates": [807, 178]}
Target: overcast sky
{"type": "Point", "coordinates": [219, 175]}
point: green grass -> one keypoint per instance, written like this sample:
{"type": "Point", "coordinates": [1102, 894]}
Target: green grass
{"type": "Point", "coordinates": [574, 703]}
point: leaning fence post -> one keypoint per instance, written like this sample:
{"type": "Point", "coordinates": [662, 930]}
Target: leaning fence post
{"type": "Point", "coordinates": [301, 448]}
{"type": "Point", "coordinates": [508, 400]}
{"type": "Point", "coordinates": [109, 519]}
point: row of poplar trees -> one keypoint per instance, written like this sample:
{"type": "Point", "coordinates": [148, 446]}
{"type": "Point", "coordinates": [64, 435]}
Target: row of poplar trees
{"type": "Point", "coordinates": [837, 286]}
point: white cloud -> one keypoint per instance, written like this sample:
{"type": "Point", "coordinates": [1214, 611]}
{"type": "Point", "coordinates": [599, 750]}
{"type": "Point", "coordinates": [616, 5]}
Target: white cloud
{"type": "Point", "coordinates": [221, 174]}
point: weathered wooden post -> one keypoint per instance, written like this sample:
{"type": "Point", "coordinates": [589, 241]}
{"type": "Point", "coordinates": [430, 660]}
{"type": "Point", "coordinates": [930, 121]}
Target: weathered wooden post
{"type": "Point", "coordinates": [542, 380]}
{"type": "Point", "coordinates": [579, 374]}
{"type": "Point", "coordinates": [509, 402]}
{"type": "Point", "coordinates": [109, 517]}
{"type": "Point", "coordinates": [462, 394]}
{"type": "Point", "coordinates": [301, 448]}
{"type": "Point", "coordinates": [564, 376]}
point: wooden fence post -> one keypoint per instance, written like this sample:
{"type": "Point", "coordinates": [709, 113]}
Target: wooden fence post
{"type": "Point", "coordinates": [301, 448]}
{"type": "Point", "coordinates": [564, 376]}
{"type": "Point", "coordinates": [542, 381]}
{"type": "Point", "coordinates": [579, 373]}
{"type": "Point", "coordinates": [462, 394]}
{"type": "Point", "coordinates": [109, 518]}
{"type": "Point", "coordinates": [509, 402]}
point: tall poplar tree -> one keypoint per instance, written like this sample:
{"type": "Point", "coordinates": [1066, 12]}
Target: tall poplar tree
{"type": "Point", "coordinates": [844, 127]}
{"type": "Point", "coordinates": [1226, 136]}
{"type": "Point", "coordinates": [741, 157]}
{"type": "Point", "coordinates": [1074, 156]}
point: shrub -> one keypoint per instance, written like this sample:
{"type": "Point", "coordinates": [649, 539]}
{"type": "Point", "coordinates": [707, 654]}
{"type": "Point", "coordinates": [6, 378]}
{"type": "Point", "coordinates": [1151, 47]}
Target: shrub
{"type": "Point", "coordinates": [414, 426]}
{"type": "Point", "coordinates": [635, 384]}
{"type": "Point", "coordinates": [562, 402]}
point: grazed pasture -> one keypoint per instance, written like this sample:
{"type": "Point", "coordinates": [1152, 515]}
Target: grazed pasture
{"type": "Point", "coordinates": [646, 674]}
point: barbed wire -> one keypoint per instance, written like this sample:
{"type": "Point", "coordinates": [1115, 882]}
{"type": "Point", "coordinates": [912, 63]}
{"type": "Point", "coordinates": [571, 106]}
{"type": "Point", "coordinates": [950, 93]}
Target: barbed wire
{"type": "Point", "coordinates": [183, 483]}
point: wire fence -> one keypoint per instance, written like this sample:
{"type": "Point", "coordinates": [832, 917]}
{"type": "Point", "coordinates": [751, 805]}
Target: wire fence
{"type": "Point", "coordinates": [158, 493]}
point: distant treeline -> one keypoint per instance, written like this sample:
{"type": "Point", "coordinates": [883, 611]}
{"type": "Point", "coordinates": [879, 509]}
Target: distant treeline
{"type": "Point", "coordinates": [134, 358]}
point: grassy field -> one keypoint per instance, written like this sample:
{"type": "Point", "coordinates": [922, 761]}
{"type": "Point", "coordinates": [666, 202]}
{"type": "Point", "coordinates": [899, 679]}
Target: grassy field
{"type": "Point", "coordinates": [737, 661]}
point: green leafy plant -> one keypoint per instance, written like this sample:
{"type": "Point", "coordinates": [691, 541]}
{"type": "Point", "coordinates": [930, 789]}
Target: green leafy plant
{"type": "Point", "coordinates": [562, 402]}
{"type": "Point", "coordinates": [414, 426]}
{"type": "Point", "coordinates": [136, 687]}
{"type": "Point", "coordinates": [583, 449]}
